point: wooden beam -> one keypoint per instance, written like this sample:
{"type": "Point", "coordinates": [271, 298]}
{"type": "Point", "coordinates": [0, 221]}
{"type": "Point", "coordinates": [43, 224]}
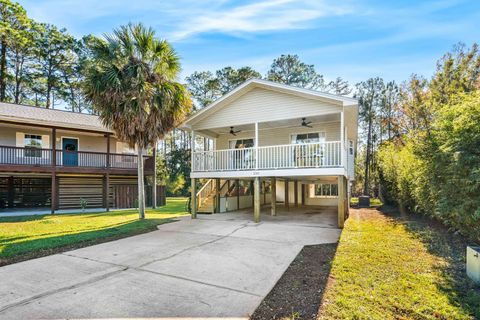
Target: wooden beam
{"type": "Point", "coordinates": [107, 191]}
{"type": "Point", "coordinates": [216, 204]}
{"type": "Point", "coordinates": [295, 190]}
{"type": "Point", "coordinates": [256, 197]}
{"type": "Point", "coordinates": [53, 197]}
{"type": "Point", "coordinates": [10, 192]}
{"type": "Point", "coordinates": [287, 201]}
{"type": "Point", "coordinates": [193, 203]}
{"type": "Point", "coordinates": [237, 183]}
{"type": "Point", "coordinates": [274, 196]}
{"type": "Point", "coordinates": [341, 201]}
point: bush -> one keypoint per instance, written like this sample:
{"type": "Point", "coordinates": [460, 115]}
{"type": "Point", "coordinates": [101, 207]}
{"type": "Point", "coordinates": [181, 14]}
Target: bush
{"type": "Point", "coordinates": [439, 174]}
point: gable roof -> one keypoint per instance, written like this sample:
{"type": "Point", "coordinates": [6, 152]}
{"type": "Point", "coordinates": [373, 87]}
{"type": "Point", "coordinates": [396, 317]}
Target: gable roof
{"type": "Point", "coordinates": [50, 117]}
{"type": "Point", "coordinates": [269, 85]}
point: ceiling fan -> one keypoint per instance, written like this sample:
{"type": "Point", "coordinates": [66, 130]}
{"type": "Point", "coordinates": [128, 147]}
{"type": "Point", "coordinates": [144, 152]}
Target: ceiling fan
{"type": "Point", "coordinates": [234, 132]}
{"type": "Point", "coordinates": [306, 123]}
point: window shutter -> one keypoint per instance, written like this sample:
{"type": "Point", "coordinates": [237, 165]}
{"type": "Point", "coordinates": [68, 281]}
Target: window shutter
{"type": "Point", "coordinates": [20, 139]}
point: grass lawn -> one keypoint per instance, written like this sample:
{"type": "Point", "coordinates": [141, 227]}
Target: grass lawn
{"type": "Point", "coordinates": [28, 237]}
{"type": "Point", "coordinates": [389, 267]}
{"type": "Point", "coordinates": [374, 202]}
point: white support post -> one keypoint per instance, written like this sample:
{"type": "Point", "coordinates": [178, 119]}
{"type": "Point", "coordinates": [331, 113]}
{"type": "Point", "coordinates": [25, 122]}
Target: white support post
{"type": "Point", "coordinates": [342, 139]}
{"type": "Point", "coordinates": [256, 145]}
{"type": "Point", "coordinates": [192, 150]}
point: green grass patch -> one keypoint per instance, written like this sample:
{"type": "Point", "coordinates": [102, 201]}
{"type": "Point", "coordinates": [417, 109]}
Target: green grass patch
{"type": "Point", "coordinates": [374, 202]}
{"type": "Point", "coordinates": [388, 267]}
{"type": "Point", "coordinates": [27, 237]}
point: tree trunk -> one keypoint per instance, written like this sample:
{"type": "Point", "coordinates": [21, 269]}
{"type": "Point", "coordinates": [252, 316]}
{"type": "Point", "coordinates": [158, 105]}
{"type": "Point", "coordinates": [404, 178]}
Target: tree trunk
{"type": "Point", "coordinates": [141, 185]}
{"type": "Point", "coordinates": [366, 189]}
{"type": "Point", "coordinates": [3, 69]}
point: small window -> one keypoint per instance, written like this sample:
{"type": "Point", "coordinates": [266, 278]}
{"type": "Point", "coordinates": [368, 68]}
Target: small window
{"type": "Point", "coordinates": [350, 147]}
{"type": "Point", "coordinates": [33, 145]}
{"type": "Point", "coordinates": [308, 137]}
{"type": "Point", "coordinates": [326, 190]}
{"type": "Point", "coordinates": [242, 143]}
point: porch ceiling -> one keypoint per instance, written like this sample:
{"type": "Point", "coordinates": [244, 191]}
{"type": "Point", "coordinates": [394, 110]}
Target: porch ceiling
{"type": "Point", "coordinates": [287, 123]}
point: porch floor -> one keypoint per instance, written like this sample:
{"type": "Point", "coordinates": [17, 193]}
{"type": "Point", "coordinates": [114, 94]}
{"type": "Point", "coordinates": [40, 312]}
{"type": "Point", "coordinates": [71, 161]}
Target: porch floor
{"type": "Point", "coordinates": [311, 216]}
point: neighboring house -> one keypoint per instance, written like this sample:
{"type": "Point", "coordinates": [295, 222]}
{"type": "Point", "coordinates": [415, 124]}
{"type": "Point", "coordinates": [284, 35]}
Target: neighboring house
{"type": "Point", "coordinates": [56, 159]}
{"type": "Point", "coordinates": [274, 143]}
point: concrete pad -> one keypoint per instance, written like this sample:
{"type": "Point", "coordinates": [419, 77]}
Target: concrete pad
{"type": "Point", "coordinates": [21, 281]}
{"type": "Point", "coordinates": [135, 293]}
{"type": "Point", "coordinates": [219, 265]}
{"type": "Point", "coordinates": [242, 264]}
{"type": "Point", "coordinates": [138, 250]}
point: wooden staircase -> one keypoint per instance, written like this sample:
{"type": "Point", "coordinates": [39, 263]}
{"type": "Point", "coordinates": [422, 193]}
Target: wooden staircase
{"type": "Point", "coordinates": [206, 195]}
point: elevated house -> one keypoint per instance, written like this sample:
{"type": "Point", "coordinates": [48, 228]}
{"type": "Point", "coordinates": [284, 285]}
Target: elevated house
{"type": "Point", "coordinates": [53, 160]}
{"type": "Point", "coordinates": [269, 144]}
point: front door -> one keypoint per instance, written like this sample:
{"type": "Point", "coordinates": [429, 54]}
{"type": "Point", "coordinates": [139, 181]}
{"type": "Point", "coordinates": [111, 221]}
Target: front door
{"type": "Point", "coordinates": [70, 152]}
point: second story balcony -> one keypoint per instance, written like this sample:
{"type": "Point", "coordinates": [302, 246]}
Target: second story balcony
{"type": "Point", "coordinates": [31, 157]}
{"type": "Point", "coordinates": [290, 156]}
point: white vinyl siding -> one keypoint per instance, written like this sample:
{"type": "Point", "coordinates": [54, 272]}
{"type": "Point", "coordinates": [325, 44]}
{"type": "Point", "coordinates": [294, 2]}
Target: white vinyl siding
{"type": "Point", "coordinates": [279, 136]}
{"type": "Point", "coordinates": [264, 105]}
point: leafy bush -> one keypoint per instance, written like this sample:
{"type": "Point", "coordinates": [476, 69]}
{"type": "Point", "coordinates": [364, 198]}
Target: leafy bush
{"type": "Point", "coordinates": [439, 173]}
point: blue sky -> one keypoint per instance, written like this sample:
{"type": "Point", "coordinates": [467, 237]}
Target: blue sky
{"type": "Point", "coordinates": [351, 39]}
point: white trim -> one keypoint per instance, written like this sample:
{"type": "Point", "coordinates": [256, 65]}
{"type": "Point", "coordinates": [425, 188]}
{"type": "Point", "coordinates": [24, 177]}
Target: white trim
{"type": "Point", "coordinates": [271, 173]}
{"type": "Point", "coordinates": [67, 137]}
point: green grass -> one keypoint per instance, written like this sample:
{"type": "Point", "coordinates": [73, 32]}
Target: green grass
{"type": "Point", "coordinates": [38, 235]}
{"type": "Point", "coordinates": [374, 202]}
{"type": "Point", "coordinates": [389, 267]}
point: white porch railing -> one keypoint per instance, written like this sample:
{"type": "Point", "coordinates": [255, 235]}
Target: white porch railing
{"type": "Point", "coordinates": [310, 155]}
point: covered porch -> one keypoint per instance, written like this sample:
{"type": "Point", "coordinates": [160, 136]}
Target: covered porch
{"type": "Point", "coordinates": [273, 198]}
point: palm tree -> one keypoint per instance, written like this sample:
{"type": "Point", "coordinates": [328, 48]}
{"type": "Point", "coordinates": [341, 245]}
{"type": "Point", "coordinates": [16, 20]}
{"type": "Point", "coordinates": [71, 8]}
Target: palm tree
{"type": "Point", "coordinates": [131, 83]}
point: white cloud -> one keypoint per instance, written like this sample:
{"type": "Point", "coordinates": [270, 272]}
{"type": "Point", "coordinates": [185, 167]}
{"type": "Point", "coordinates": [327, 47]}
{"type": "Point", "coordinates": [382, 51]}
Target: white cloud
{"type": "Point", "coordinates": [260, 16]}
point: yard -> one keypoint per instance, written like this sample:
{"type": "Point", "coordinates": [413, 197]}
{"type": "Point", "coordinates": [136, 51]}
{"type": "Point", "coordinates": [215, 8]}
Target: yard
{"type": "Point", "coordinates": [392, 267]}
{"type": "Point", "coordinates": [29, 237]}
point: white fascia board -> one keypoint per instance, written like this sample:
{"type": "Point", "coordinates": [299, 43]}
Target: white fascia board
{"type": "Point", "coordinates": [339, 171]}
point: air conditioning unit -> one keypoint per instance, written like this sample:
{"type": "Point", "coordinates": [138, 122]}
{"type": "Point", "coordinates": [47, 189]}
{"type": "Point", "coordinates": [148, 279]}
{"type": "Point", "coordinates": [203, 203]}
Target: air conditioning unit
{"type": "Point", "coordinates": [473, 263]}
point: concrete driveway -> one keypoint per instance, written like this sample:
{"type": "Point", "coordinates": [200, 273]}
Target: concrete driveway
{"type": "Point", "coordinates": [219, 265]}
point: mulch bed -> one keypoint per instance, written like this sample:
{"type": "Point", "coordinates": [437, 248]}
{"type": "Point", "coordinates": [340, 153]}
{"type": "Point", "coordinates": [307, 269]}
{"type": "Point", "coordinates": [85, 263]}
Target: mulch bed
{"type": "Point", "coordinates": [298, 293]}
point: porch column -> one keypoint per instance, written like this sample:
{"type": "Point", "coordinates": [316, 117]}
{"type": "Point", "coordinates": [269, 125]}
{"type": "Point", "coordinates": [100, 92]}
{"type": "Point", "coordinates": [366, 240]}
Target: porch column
{"type": "Point", "coordinates": [53, 198]}
{"type": "Point", "coordinates": [237, 184]}
{"type": "Point", "coordinates": [287, 201]}
{"type": "Point", "coordinates": [295, 190]}
{"type": "Point", "coordinates": [342, 139]}
{"type": "Point", "coordinates": [193, 202]}
{"type": "Point", "coordinates": [107, 176]}
{"type": "Point", "coordinates": [341, 201]}
{"type": "Point", "coordinates": [53, 194]}
{"type": "Point", "coordinates": [10, 192]}
{"type": "Point", "coordinates": [256, 196]}
{"type": "Point", "coordinates": [154, 178]}
{"type": "Point", "coordinates": [217, 197]}
{"type": "Point", "coordinates": [256, 145]}
{"type": "Point", "coordinates": [192, 149]}
{"type": "Point", "coordinates": [274, 196]}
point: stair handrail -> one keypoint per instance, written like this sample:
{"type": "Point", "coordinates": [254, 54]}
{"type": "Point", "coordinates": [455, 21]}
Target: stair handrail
{"type": "Point", "coordinates": [205, 191]}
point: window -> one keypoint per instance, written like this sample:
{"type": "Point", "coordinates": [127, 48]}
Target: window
{"type": "Point", "coordinates": [326, 190]}
{"type": "Point", "coordinates": [350, 147]}
{"type": "Point", "coordinates": [242, 143]}
{"type": "Point", "coordinates": [33, 145]}
{"type": "Point", "coordinates": [308, 137]}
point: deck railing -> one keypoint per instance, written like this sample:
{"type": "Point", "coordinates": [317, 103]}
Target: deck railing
{"type": "Point", "coordinates": [309, 155]}
{"type": "Point", "coordinates": [31, 156]}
